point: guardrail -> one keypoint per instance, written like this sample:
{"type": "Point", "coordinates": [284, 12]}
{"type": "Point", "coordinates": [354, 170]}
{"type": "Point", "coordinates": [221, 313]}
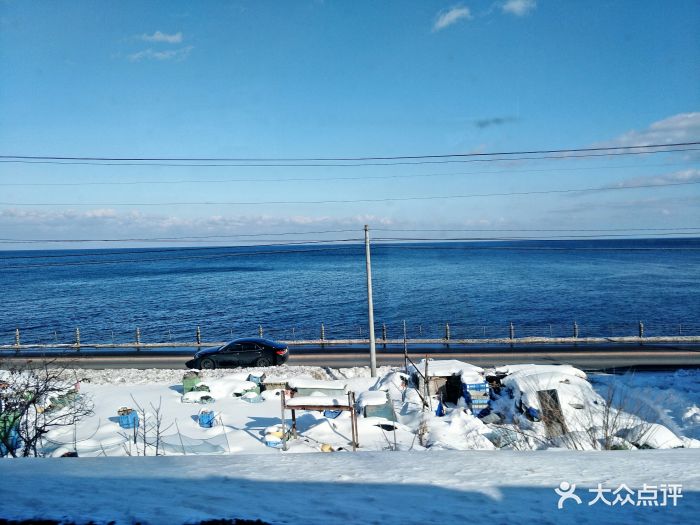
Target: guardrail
{"type": "Point", "coordinates": [469, 335]}
{"type": "Point", "coordinates": [329, 343]}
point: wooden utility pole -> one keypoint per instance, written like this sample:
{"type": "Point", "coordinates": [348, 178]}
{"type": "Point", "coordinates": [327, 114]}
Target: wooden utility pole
{"type": "Point", "coordinates": [370, 309]}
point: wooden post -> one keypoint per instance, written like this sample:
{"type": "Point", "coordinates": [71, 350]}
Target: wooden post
{"type": "Point", "coordinates": [17, 340]}
{"type": "Point", "coordinates": [198, 335]}
{"type": "Point", "coordinates": [575, 330]}
{"type": "Point", "coordinates": [353, 421]}
{"type": "Point", "coordinates": [294, 423]}
{"type": "Point", "coordinates": [77, 338]}
{"type": "Point", "coordinates": [260, 330]}
{"type": "Point", "coordinates": [426, 389]}
{"type": "Point", "coordinates": [284, 427]}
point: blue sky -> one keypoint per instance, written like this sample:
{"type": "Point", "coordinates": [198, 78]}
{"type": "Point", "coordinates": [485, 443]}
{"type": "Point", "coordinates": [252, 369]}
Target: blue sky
{"type": "Point", "coordinates": [315, 78]}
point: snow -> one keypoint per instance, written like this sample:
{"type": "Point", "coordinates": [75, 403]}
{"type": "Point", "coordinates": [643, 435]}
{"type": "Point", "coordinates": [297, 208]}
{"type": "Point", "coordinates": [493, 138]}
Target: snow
{"type": "Point", "coordinates": [342, 487]}
{"type": "Point", "coordinates": [301, 382]}
{"type": "Point", "coordinates": [316, 400]}
{"type": "Point", "coordinates": [651, 436]}
{"type": "Point", "coordinates": [449, 367]}
{"type": "Point", "coordinates": [525, 368]}
{"type": "Point", "coordinates": [421, 469]}
{"type": "Point", "coordinates": [371, 398]}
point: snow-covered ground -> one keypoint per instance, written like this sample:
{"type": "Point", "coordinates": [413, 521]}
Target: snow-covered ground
{"type": "Point", "coordinates": [499, 487]}
{"type": "Point", "coordinates": [411, 471]}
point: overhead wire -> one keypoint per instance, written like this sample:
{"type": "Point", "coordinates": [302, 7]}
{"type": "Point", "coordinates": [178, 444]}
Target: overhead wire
{"type": "Point", "coordinates": [216, 164]}
{"type": "Point", "coordinates": [350, 201]}
{"type": "Point", "coordinates": [360, 158]}
{"type": "Point", "coordinates": [333, 178]}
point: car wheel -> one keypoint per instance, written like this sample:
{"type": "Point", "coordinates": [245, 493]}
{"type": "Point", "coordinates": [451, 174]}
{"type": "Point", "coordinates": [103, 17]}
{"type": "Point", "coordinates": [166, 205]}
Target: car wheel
{"type": "Point", "coordinates": [263, 361]}
{"type": "Point", "coordinates": [207, 364]}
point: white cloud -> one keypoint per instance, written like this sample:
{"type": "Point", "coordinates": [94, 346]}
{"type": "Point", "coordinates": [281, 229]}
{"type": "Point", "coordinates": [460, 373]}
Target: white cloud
{"type": "Point", "coordinates": [678, 177]}
{"type": "Point", "coordinates": [683, 127]}
{"type": "Point", "coordinates": [447, 17]}
{"type": "Point", "coordinates": [171, 54]}
{"type": "Point", "coordinates": [159, 36]}
{"type": "Point", "coordinates": [518, 7]}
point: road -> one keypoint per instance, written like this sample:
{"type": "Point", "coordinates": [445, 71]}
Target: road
{"type": "Point", "coordinates": [598, 357]}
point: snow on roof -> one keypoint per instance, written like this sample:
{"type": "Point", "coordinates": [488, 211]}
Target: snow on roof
{"type": "Point", "coordinates": [529, 368]}
{"type": "Point", "coordinates": [315, 401]}
{"type": "Point", "coordinates": [372, 398]}
{"type": "Point", "coordinates": [302, 382]}
{"type": "Point", "coordinates": [447, 367]}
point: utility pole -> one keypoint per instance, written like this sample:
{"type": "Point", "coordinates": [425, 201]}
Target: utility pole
{"type": "Point", "coordinates": [370, 309]}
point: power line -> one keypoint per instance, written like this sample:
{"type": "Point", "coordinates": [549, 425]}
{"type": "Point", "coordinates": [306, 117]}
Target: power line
{"type": "Point", "coordinates": [216, 164]}
{"type": "Point", "coordinates": [183, 238]}
{"type": "Point", "coordinates": [323, 179]}
{"type": "Point", "coordinates": [105, 253]}
{"type": "Point", "coordinates": [349, 201]}
{"type": "Point", "coordinates": [234, 237]}
{"type": "Point", "coordinates": [343, 159]}
{"type": "Point", "coordinates": [188, 257]}
{"type": "Point", "coordinates": [535, 229]}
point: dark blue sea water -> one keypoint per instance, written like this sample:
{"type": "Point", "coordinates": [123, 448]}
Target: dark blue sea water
{"type": "Point", "coordinates": [541, 286]}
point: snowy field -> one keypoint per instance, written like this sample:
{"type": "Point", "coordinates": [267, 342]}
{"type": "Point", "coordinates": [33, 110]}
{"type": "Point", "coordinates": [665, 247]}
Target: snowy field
{"type": "Point", "coordinates": [422, 468]}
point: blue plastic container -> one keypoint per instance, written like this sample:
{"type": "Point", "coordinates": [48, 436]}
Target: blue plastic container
{"type": "Point", "coordinates": [129, 419]}
{"type": "Point", "coordinates": [206, 419]}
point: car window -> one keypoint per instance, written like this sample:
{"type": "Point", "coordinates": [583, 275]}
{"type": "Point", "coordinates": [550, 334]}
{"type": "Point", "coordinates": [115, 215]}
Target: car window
{"type": "Point", "coordinates": [233, 347]}
{"type": "Point", "coordinates": [248, 347]}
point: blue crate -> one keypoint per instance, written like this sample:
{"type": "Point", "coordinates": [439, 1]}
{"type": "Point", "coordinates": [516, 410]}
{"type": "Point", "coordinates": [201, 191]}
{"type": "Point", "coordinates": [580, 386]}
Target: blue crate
{"type": "Point", "coordinates": [476, 387]}
{"type": "Point", "coordinates": [129, 419]}
{"type": "Point", "coordinates": [206, 419]}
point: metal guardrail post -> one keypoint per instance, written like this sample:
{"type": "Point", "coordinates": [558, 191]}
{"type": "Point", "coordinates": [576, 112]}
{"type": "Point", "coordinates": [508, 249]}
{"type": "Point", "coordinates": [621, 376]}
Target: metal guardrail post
{"type": "Point", "coordinates": [323, 332]}
{"type": "Point", "coordinates": [17, 339]}
{"type": "Point", "coordinates": [138, 337]}
{"type": "Point", "coordinates": [260, 330]}
{"type": "Point", "coordinates": [77, 338]}
{"type": "Point", "coordinates": [575, 330]}
{"type": "Point", "coordinates": [641, 329]}
{"type": "Point", "coordinates": [512, 331]}
{"type": "Point", "coordinates": [199, 336]}
{"type": "Point", "coordinates": [447, 331]}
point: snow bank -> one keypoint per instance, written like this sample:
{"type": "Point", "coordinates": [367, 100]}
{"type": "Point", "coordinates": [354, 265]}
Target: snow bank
{"type": "Point", "coordinates": [651, 436]}
{"type": "Point", "coordinates": [447, 367]}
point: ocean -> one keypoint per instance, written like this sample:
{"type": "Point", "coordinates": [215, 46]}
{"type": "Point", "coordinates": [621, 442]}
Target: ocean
{"type": "Point", "coordinates": [542, 287]}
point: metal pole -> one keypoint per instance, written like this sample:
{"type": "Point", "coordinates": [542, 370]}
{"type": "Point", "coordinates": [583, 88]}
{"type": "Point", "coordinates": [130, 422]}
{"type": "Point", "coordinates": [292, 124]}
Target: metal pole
{"type": "Point", "coordinates": [405, 349]}
{"type": "Point", "coordinates": [370, 309]}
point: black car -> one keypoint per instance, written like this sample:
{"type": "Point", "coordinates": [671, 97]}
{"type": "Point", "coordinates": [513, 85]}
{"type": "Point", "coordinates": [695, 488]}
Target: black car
{"type": "Point", "coordinates": [241, 352]}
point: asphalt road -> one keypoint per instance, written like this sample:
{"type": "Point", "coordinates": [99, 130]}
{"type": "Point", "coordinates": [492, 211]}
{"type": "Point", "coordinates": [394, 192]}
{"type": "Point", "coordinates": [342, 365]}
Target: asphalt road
{"type": "Point", "coordinates": [599, 357]}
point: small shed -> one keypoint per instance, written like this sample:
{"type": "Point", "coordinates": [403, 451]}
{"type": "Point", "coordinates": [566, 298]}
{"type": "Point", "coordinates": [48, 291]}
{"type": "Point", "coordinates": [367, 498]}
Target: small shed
{"type": "Point", "coordinates": [451, 380]}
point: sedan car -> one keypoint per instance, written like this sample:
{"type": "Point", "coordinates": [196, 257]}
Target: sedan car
{"type": "Point", "coordinates": [241, 352]}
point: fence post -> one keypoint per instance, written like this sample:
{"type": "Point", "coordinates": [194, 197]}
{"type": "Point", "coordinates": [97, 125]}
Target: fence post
{"type": "Point", "coordinates": [512, 330]}
{"type": "Point", "coordinates": [384, 333]}
{"type": "Point", "coordinates": [138, 336]}
{"type": "Point", "coordinates": [77, 338]}
{"type": "Point", "coordinates": [17, 340]}
{"type": "Point", "coordinates": [199, 336]}
{"type": "Point", "coordinates": [447, 331]}
{"type": "Point", "coordinates": [323, 332]}
{"type": "Point", "coordinates": [641, 329]}
{"type": "Point", "coordinates": [575, 330]}
{"type": "Point", "coordinates": [260, 330]}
